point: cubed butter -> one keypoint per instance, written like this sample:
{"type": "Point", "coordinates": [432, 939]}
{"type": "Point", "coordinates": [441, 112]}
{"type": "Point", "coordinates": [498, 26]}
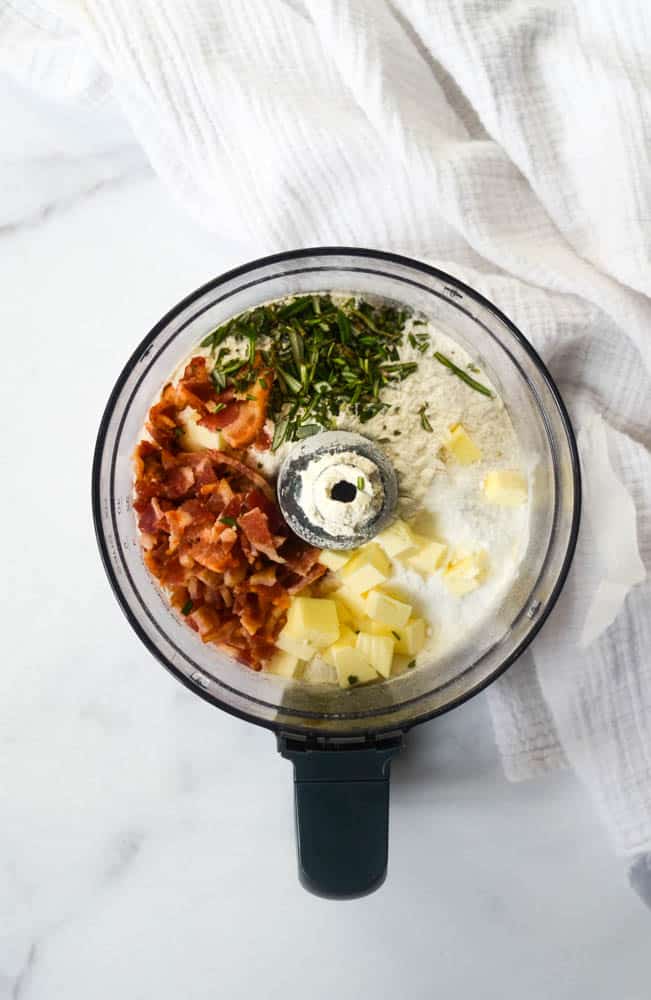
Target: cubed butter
{"type": "Point", "coordinates": [387, 610]}
{"type": "Point", "coordinates": [355, 603]}
{"type": "Point", "coordinates": [282, 664]}
{"type": "Point", "coordinates": [410, 638]}
{"type": "Point", "coordinates": [396, 539]}
{"type": "Point", "coordinates": [195, 437]}
{"type": "Point", "coordinates": [344, 613]}
{"type": "Point", "coordinates": [347, 638]}
{"type": "Point", "coordinates": [378, 650]}
{"type": "Point", "coordinates": [352, 667]}
{"type": "Point", "coordinates": [506, 488]}
{"type": "Point", "coordinates": [297, 647]}
{"type": "Point", "coordinates": [428, 557]}
{"type": "Point", "coordinates": [464, 575]}
{"type": "Point", "coordinates": [367, 569]}
{"type": "Point", "coordinates": [314, 620]}
{"type": "Point", "coordinates": [335, 560]}
{"type": "Point", "coordinates": [462, 446]}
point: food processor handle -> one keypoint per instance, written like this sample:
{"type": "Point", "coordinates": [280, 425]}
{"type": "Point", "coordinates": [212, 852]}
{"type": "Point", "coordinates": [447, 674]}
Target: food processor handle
{"type": "Point", "coordinates": [341, 799]}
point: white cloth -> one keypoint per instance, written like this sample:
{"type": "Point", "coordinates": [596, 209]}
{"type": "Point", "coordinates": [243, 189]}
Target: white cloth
{"type": "Point", "coordinates": [510, 143]}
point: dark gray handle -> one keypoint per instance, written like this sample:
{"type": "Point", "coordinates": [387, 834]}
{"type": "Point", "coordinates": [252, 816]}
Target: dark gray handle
{"type": "Point", "coordinates": [342, 817]}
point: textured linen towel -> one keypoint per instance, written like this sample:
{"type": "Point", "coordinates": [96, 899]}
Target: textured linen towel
{"type": "Point", "coordinates": [508, 143]}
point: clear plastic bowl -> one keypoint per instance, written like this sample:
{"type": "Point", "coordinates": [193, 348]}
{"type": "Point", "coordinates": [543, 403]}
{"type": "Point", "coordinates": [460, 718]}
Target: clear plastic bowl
{"type": "Point", "coordinates": [538, 415]}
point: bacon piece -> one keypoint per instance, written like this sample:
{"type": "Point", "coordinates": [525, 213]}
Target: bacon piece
{"type": "Point", "coordinates": [206, 621]}
{"type": "Point", "coordinates": [263, 578]}
{"type": "Point", "coordinates": [310, 577]}
{"type": "Point", "coordinates": [216, 421]}
{"type": "Point", "coordinates": [263, 440]}
{"type": "Point", "coordinates": [299, 556]}
{"type": "Point", "coordinates": [249, 420]}
{"type": "Point", "coordinates": [178, 482]}
{"type": "Point", "coordinates": [244, 470]}
{"type": "Point", "coordinates": [152, 517]}
{"type": "Point", "coordinates": [255, 526]}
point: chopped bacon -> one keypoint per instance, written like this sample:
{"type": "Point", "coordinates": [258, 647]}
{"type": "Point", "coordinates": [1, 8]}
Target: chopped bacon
{"type": "Point", "coordinates": [264, 578]}
{"type": "Point", "coordinates": [255, 526]}
{"type": "Point", "coordinates": [210, 528]}
{"type": "Point", "coordinates": [300, 557]}
{"type": "Point", "coordinates": [301, 582]}
{"type": "Point", "coordinates": [251, 414]}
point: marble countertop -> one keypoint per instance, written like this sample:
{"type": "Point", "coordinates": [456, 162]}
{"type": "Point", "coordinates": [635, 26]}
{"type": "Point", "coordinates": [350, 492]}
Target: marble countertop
{"type": "Point", "coordinates": [146, 838]}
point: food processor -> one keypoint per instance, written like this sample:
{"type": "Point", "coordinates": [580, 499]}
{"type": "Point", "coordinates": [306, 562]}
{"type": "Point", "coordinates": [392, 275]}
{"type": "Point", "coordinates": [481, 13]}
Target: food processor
{"type": "Point", "coordinates": [341, 742]}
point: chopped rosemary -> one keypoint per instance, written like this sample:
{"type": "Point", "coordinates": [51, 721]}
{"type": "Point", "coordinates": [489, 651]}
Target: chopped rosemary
{"type": "Point", "coordinates": [424, 422]}
{"type": "Point", "coordinates": [324, 355]}
{"type": "Point", "coordinates": [230, 521]}
{"type": "Point", "coordinates": [178, 432]}
{"type": "Point", "coordinates": [459, 372]}
{"type": "Point", "coordinates": [397, 636]}
{"type": "Point", "coordinates": [361, 483]}
{"type": "Point", "coordinates": [412, 663]}
{"type": "Point", "coordinates": [187, 607]}
{"type": "Point", "coordinates": [352, 679]}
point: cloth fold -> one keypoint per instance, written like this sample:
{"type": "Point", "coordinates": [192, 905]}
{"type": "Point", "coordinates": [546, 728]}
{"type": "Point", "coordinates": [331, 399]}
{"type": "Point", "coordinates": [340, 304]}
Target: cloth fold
{"type": "Point", "coordinates": [509, 144]}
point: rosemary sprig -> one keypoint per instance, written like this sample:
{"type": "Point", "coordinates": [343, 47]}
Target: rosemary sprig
{"type": "Point", "coordinates": [325, 356]}
{"type": "Point", "coordinates": [424, 422]}
{"type": "Point", "coordinates": [459, 372]}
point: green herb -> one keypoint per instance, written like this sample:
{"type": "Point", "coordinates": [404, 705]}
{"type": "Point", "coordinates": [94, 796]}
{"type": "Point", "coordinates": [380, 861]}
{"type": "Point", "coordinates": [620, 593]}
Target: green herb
{"type": "Point", "coordinates": [219, 379]}
{"type": "Point", "coordinates": [219, 407]}
{"type": "Point", "coordinates": [280, 430]}
{"type": "Point", "coordinates": [361, 483]}
{"type": "Point", "coordinates": [325, 356]}
{"type": "Point", "coordinates": [306, 430]}
{"type": "Point", "coordinates": [187, 608]}
{"type": "Point", "coordinates": [178, 432]}
{"type": "Point", "coordinates": [397, 433]}
{"type": "Point", "coordinates": [352, 679]}
{"type": "Point", "coordinates": [263, 382]}
{"type": "Point", "coordinates": [459, 372]}
{"type": "Point", "coordinates": [411, 664]}
{"type": "Point", "coordinates": [424, 422]}
{"type": "Point", "coordinates": [251, 398]}
{"type": "Point", "coordinates": [396, 635]}
{"type": "Point", "coordinates": [473, 368]}
{"type": "Point", "coordinates": [230, 521]}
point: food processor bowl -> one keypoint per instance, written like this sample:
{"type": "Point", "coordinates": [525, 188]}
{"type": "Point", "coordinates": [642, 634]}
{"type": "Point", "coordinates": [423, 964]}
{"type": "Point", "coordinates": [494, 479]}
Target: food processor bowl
{"type": "Point", "coordinates": [341, 742]}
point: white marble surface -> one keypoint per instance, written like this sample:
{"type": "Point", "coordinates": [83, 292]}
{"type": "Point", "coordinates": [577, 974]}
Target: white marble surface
{"type": "Point", "coordinates": [146, 838]}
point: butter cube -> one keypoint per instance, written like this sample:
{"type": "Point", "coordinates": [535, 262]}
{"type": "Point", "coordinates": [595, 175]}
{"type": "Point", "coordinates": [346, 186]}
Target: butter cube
{"type": "Point", "coordinates": [375, 628]}
{"type": "Point", "coordinates": [335, 560]}
{"type": "Point", "coordinates": [428, 558]}
{"type": "Point", "coordinates": [344, 613]}
{"type": "Point", "coordinates": [355, 603]}
{"type": "Point", "coordinates": [461, 445]}
{"type": "Point", "coordinates": [365, 570]}
{"type": "Point", "coordinates": [378, 650]}
{"type": "Point", "coordinates": [396, 539]}
{"type": "Point", "coordinates": [314, 620]}
{"type": "Point", "coordinates": [346, 638]}
{"type": "Point", "coordinates": [282, 664]}
{"type": "Point", "coordinates": [410, 637]}
{"type": "Point", "coordinates": [466, 574]}
{"type": "Point", "coordinates": [195, 437]}
{"type": "Point", "coordinates": [387, 610]}
{"type": "Point", "coordinates": [505, 487]}
{"type": "Point", "coordinates": [300, 648]}
{"type": "Point", "coordinates": [352, 667]}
